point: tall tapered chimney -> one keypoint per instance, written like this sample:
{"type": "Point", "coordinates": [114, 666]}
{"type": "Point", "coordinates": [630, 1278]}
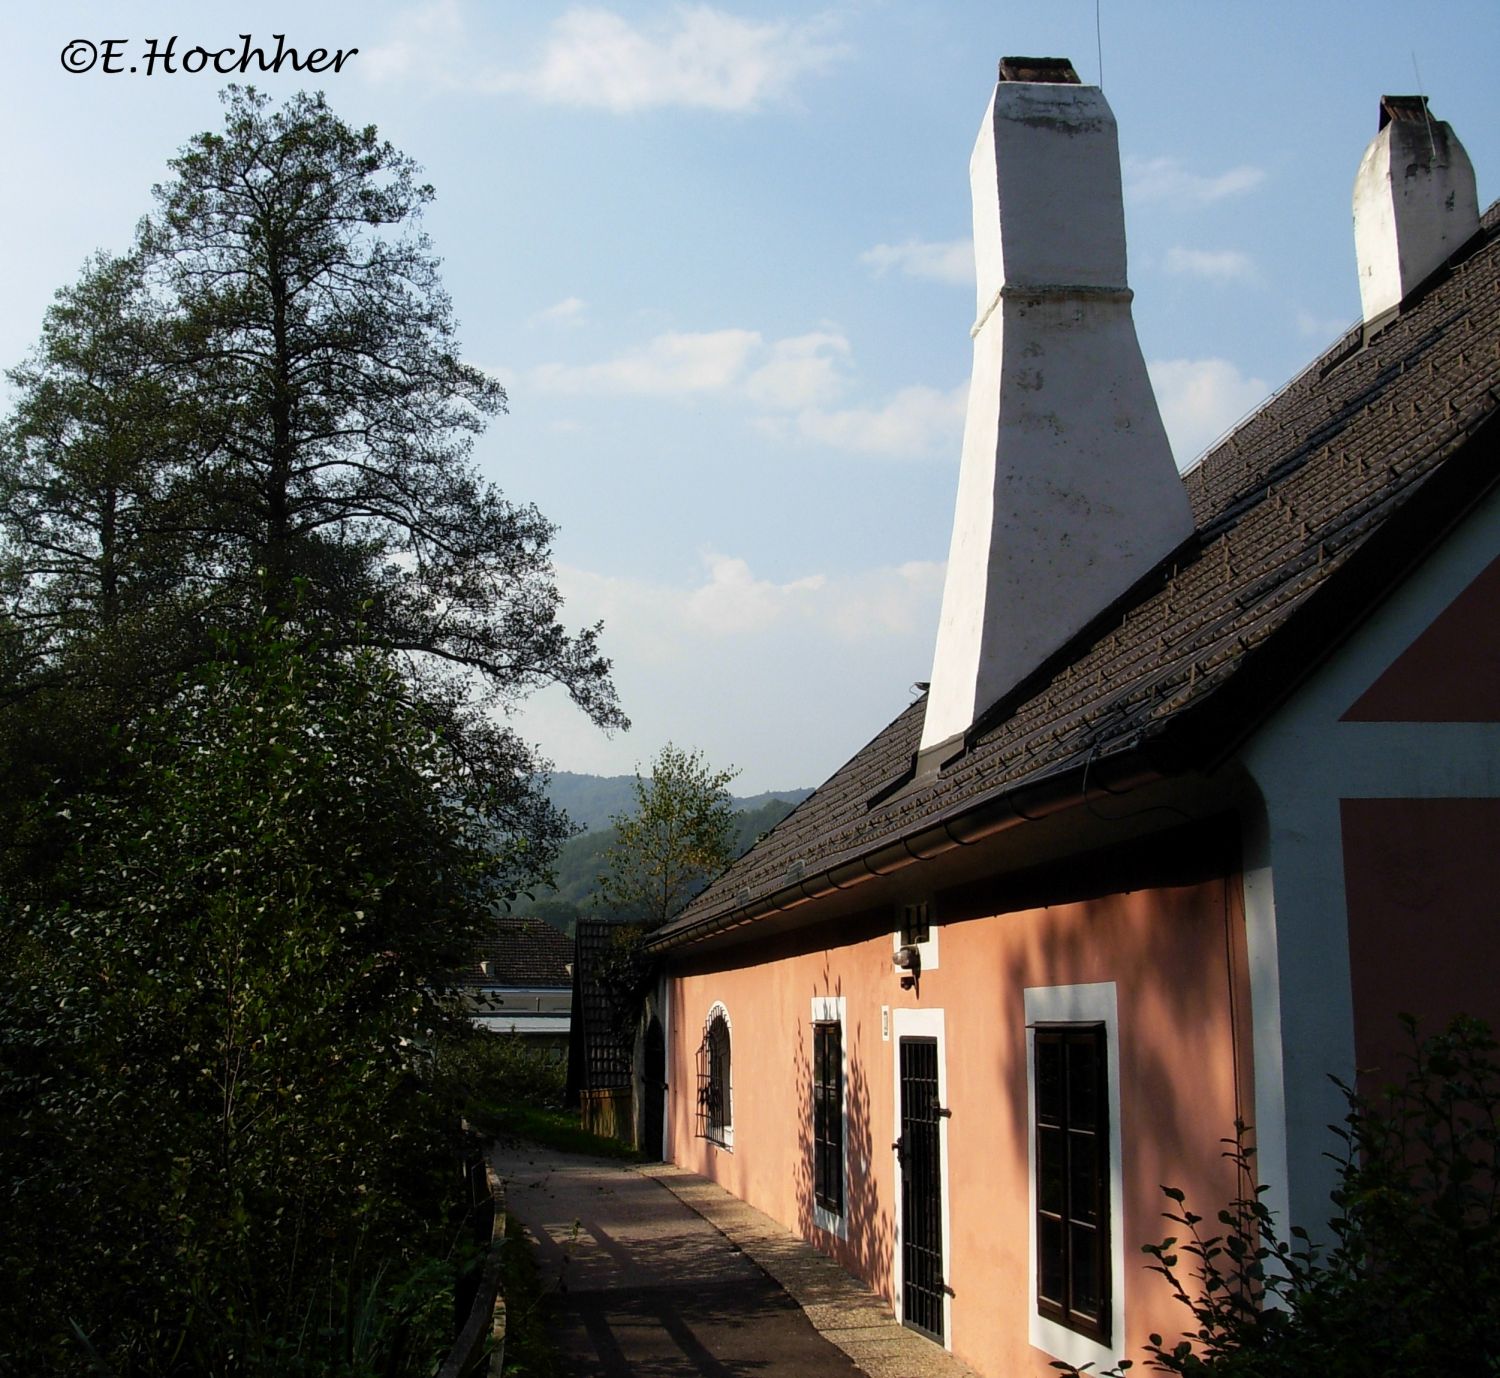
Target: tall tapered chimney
{"type": "Point", "coordinates": [1415, 203]}
{"type": "Point", "coordinates": [1067, 493]}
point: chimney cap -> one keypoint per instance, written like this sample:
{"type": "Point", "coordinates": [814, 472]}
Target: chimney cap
{"type": "Point", "coordinates": [1403, 108]}
{"type": "Point", "coordinates": [1057, 70]}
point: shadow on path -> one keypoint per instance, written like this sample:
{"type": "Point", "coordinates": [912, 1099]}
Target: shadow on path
{"type": "Point", "coordinates": [647, 1287]}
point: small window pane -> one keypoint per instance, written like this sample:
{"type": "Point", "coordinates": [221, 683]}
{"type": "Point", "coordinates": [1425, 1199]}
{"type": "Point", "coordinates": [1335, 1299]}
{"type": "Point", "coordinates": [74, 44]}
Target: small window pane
{"type": "Point", "coordinates": [1049, 1080]}
{"type": "Point", "coordinates": [1083, 1087]}
{"type": "Point", "coordinates": [1083, 1178]}
{"type": "Point", "coordinates": [1052, 1184]}
{"type": "Point", "coordinates": [1051, 1270]}
{"type": "Point", "coordinates": [1084, 1270]}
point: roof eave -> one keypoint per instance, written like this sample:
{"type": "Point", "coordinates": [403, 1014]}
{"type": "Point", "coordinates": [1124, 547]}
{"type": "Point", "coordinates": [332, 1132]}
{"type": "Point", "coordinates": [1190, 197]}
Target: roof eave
{"type": "Point", "coordinates": [973, 821]}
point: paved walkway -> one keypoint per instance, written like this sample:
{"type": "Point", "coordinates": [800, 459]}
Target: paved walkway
{"type": "Point", "coordinates": [662, 1274]}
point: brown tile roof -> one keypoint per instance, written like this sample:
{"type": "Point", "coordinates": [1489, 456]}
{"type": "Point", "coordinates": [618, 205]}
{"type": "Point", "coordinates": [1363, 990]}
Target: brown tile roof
{"type": "Point", "coordinates": [1307, 514]}
{"type": "Point", "coordinates": [522, 952]}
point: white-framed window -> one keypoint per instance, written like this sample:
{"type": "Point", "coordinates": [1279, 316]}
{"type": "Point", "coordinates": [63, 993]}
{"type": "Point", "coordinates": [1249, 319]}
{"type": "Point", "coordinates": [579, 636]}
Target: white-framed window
{"type": "Point", "coordinates": [1077, 1261]}
{"type": "Point", "coordinates": [917, 928]}
{"type": "Point", "coordinates": [830, 1114]}
{"type": "Point", "coordinates": [716, 1080]}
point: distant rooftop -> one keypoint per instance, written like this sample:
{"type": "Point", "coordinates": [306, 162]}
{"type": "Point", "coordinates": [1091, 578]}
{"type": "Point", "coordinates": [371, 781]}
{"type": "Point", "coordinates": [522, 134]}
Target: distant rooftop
{"type": "Point", "coordinates": [521, 952]}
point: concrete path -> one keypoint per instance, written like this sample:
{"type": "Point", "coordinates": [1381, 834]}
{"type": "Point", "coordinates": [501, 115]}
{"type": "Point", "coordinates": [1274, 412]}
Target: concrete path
{"type": "Point", "coordinates": [662, 1274]}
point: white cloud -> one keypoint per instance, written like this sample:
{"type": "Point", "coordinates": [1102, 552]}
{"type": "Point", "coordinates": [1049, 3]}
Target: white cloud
{"type": "Point", "coordinates": [784, 679]}
{"type": "Point", "coordinates": [701, 57]}
{"type": "Point", "coordinates": [793, 381]}
{"type": "Point", "coordinates": [1200, 399]}
{"type": "Point", "coordinates": [674, 363]}
{"type": "Point", "coordinates": [951, 261]}
{"type": "Point", "coordinates": [1166, 179]}
{"type": "Point", "coordinates": [425, 44]}
{"type": "Point", "coordinates": [917, 422]}
{"type": "Point", "coordinates": [668, 622]}
{"type": "Point", "coordinates": [1217, 265]}
{"type": "Point", "coordinates": [568, 311]}
{"type": "Point", "coordinates": [801, 372]}
{"type": "Point", "coordinates": [696, 57]}
{"type": "Point", "coordinates": [734, 601]}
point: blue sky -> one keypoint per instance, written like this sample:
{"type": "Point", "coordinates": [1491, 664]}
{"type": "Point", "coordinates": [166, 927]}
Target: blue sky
{"type": "Point", "coordinates": [718, 254]}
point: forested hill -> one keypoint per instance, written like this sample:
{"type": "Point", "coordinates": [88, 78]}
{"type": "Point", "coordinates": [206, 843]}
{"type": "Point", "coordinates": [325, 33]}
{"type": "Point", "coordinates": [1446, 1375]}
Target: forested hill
{"type": "Point", "coordinates": [592, 800]}
{"type": "Point", "coordinates": [582, 858]}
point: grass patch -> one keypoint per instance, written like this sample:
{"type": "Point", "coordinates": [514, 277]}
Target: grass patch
{"type": "Point", "coordinates": [529, 1351]}
{"type": "Point", "coordinates": [552, 1128]}
{"type": "Point", "coordinates": [512, 1088]}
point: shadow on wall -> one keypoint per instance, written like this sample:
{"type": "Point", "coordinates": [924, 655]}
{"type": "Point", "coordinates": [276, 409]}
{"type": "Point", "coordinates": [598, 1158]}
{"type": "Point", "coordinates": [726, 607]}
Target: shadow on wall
{"type": "Point", "coordinates": [1166, 926]}
{"type": "Point", "coordinates": [870, 1230]}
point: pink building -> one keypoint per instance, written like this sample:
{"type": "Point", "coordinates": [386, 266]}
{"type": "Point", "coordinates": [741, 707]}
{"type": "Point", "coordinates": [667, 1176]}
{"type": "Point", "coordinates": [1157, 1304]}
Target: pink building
{"type": "Point", "coordinates": [1205, 788]}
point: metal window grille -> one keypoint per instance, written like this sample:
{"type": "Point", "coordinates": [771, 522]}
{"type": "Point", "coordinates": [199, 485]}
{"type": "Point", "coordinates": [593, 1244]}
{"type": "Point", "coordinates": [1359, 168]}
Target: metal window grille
{"type": "Point", "coordinates": [1072, 1186]}
{"type": "Point", "coordinates": [828, 1117]}
{"type": "Point", "coordinates": [715, 1093]}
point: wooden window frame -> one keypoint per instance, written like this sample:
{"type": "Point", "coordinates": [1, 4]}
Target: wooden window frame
{"type": "Point", "coordinates": [828, 1116]}
{"type": "Point", "coordinates": [1081, 1125]}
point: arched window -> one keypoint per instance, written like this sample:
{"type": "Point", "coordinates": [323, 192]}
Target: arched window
{"type": "Point", "coordinates": [715, 1084]}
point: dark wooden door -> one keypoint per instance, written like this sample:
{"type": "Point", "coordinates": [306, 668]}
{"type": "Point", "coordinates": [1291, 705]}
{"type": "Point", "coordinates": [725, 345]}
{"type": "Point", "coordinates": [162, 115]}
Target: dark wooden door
{"type": "Point", "coordinates": [653, 1100]}
{"type": "Point", "coordinates": [922, 1285]}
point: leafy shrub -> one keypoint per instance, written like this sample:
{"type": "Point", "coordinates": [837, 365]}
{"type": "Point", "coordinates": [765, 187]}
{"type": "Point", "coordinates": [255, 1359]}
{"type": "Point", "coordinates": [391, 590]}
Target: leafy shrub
{"type": "Point", "coordinates": [222, 1144]}
{"type": "Point", "coordinates": [506, 1069]}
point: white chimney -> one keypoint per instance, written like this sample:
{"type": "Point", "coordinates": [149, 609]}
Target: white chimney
{"type": "Point", "coordinates": [1415, 203]}
{"type": "Point", "coordinates": [1067, 493]}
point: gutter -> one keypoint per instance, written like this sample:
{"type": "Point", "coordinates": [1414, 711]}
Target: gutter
{"type": "Point", "coordinates": [963, 826]}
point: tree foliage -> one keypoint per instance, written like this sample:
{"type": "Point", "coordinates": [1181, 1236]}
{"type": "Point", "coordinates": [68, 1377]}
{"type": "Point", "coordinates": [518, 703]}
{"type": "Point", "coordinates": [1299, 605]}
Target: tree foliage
{"type": "Point", "coordinates": [260, 411]}
{"type": "Point", "coordinates": [218, 1020]}
{"type": "Point", "coordinates": [679, 836]}
{"type": "Point", "coordinates": [262, 620]}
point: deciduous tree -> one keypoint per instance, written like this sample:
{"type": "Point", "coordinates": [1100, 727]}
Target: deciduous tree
{"type": "Point", "coordinates": [679, 836]}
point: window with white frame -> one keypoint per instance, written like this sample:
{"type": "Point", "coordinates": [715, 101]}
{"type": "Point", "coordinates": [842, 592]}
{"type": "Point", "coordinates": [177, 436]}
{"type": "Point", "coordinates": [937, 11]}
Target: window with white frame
{"type": "Point", "coordinates": [1073, 1113]}
{"type": "Point", "coordinates": [715, 1082]}
{"type": "Point", "coordinates": [917, 928]}
{"type": "Point", "coordinates": [829, 1113]}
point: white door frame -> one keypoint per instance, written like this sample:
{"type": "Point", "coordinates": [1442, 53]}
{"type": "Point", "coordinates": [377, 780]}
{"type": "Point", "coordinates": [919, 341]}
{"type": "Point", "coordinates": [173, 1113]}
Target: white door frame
{"type": "Point", "coordinates": [923, 1023]}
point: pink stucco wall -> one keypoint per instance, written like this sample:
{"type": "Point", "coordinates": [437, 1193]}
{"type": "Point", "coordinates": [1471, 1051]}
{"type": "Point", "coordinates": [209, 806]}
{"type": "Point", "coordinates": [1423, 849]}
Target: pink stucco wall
{"type": "Point", "coordinates": [1175, 952]}
{"type": "Point", "coordinates": [1421, 876]}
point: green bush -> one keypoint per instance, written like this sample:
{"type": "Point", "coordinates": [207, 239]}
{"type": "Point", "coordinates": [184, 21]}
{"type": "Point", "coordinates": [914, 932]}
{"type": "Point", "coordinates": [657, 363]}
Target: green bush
{"type": "Point", "coordinates": [222, 1142]}
{"type": "Point", "coordinates": [506, 1069]}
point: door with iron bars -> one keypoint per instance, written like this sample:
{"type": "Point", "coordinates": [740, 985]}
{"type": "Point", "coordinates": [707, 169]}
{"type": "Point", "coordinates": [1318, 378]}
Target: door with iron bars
{"type": "Point", "coordinates": [918, 1151]}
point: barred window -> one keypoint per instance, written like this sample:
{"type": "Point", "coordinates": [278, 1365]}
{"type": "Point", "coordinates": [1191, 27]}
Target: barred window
{"type": "Point", "coordinates": [715, 1087]}
{"type": "Point", "coordinates": [828, 1116]}
{"type": "Point", "coordinates": [1072, 1186]}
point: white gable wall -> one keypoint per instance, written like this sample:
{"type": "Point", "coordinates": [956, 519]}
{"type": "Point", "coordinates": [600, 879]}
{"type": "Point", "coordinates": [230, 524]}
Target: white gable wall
{"type": "Point", "coordinates": [1304, 761]}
